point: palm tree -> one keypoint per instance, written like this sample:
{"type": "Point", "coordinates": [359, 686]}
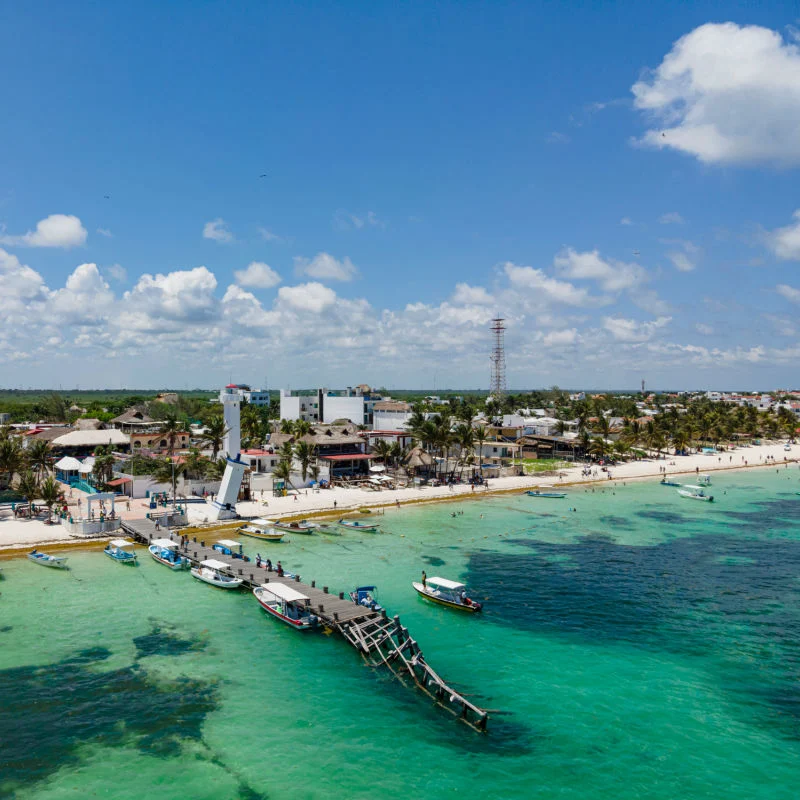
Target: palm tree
{"type": "Point", "coordinates": [304, 453]}
{"type": "Point", "coordinates": [103, 465]}
{"type": "Point", "coordinates": [301, 427]}
{"type": "Point", "coordinates": [171, 428]}
{"type": "Point", "coordinates": [51, 493]}
{"type": "Point", "coordinates": [398, 454]}
{"type": "Point", "coordinates": [166, 471]}
{"type": "Point", "coordinates": [382, 450]}
{"type": "Point", "coordinates": [28, 486]}
{"type": "Point", "coordinates": [214, 435]}
{"type": "Point", "coordinates": [11, 458]}
{"type": "Point", "coordinates": [195, 465]}
{"type": "Point", "coordinates": [283, 471]}
{"type": "Point", "coordinates": [39, 458]}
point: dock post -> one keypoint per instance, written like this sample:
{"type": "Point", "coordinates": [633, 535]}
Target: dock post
{"type": "Point", "coordinates": [202, 544]}
{"type": "Point", "coordinates": [341, 595]}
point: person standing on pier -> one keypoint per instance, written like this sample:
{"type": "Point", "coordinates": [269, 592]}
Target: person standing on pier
{"type": "Point", "coordinates": [280, 570]}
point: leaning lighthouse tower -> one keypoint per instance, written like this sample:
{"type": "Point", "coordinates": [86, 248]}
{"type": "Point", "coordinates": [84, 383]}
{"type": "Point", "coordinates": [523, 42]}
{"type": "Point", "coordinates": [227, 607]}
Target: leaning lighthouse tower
{"type": "Point", "coordinates": [231, 411]}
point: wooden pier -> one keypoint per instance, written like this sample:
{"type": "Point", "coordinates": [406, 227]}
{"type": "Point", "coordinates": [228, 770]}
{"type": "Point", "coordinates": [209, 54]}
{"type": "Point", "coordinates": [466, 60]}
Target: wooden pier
{"type": "Point", "coordinates": [381, 640]}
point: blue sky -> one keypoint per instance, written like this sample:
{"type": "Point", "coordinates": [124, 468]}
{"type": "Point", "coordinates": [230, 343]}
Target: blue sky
{"type": "Point", "coordinates": [619, 181]}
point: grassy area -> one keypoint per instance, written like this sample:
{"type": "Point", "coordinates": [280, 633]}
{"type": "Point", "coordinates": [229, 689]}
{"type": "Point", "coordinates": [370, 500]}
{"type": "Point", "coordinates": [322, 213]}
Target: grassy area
{"type": "Point", "coordinates": [534, 465]}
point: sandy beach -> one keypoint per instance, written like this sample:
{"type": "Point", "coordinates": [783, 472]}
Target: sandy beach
{"type": "Point", "coordinates": [19, 534]}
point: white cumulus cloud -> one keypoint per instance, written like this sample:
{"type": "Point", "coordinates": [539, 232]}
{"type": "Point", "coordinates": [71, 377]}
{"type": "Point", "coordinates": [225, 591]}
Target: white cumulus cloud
{"type": "Point", "coordinates": [258, 275]}
{"type": "Point", "coordinates": [611, 275]}
{"type": "Point", "coordinates": [57, 230]}
{"type": "Point", "coordinates": [726, 93]}
{"type": "Point", "coordinates": [629, 330]}
{"type": "Point", "coordinates": [785, 242]}
{"type": "Point", "coordinates": [325, 267]}
{"type": "Point", "coordinates": [789, 292]}
{"type": "Point", "coordinates": [217, 230]}
{"type": "Point", "coordinates": [471, 295]}
{"type": "Point", "coordinates": [671, 218]}
{"type": "Point", "coordinates": [307, 297]}
{"type": "Point", "coordinates": [547, 288]}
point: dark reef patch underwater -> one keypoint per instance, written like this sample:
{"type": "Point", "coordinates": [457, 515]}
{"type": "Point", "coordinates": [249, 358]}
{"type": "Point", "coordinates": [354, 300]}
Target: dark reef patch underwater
{"type": "Point", "coordinates": [720, 597]}
{"type": "Point", "coordinates": [48, 711]}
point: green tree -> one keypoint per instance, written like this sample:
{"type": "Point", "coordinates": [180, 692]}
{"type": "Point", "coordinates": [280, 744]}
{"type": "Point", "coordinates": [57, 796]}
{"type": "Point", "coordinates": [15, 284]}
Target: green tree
{"type": "Point", "coordinates": [304, 453]}
{"type": "Point", "coordinates": [39, 457]}
{"type": "Point", "coordinates": [51, 494]}
{"type": "Point", "coordinates": [214, 435]}
{"type": "Point", "coordinates": [28, 486]}
{"type": "Point", "coordinates": [171, 429]}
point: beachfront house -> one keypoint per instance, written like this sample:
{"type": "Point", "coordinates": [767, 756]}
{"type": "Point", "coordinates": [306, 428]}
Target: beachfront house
{"type": "Point", "coordinates": [354, 404]}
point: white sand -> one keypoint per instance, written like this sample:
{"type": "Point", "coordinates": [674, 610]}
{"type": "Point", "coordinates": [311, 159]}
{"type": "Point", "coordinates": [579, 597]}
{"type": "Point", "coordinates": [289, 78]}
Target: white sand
{"type": "Point", "coordinates": [21, 533]}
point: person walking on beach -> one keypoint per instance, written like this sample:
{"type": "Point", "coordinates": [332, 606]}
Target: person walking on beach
{"type": "Point", "coordinates": [335, 503]}
{"type": "Point", "coordinates": [158, 525]}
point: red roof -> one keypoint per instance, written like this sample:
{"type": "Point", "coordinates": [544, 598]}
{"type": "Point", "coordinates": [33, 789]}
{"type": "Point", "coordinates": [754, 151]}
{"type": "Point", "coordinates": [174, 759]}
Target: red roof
{"type": "Point", "coordinates": [257, 453]}
{"type": "Point", "coordinates": [119, 481]}
{"type": "Point", "coordinates": [231, 386]}
{"type": "Point", "coordinates": [348, 457]}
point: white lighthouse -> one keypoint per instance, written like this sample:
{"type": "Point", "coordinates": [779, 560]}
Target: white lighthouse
{"type": "Point", "coordinates": [231, 401]}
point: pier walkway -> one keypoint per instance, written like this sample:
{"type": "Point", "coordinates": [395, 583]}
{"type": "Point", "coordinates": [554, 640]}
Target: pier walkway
{"type": "Point", "coordinates": [381, 640]}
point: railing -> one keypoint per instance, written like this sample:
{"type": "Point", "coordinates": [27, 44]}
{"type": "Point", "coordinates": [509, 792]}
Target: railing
{"type": "Point", "coordinates": [90, 527]}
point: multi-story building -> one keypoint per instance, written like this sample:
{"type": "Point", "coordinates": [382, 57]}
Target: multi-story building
{"type": "Point", "coordinates": [356, 405]}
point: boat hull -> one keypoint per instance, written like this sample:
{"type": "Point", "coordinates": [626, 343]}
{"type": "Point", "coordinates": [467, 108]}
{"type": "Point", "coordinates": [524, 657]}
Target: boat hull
{"type": "Point", "coordinates": [263, 535]}
{"type": "Point", "coordinates": [53, 563]}
{"type": "Point", "coordinates": [182, 564]}
{"type": "Point", "coordinates": [297, 624]}
{"type": "Point", "coordinates": [442, 602]}
{"type": "Point", "coordinates": [690, 496]}
{"type": "Point", "coordinates": [547, 495]}
{"type": "Point", "coordinates": [233, 583]}
{"type": "Point", "coordinates": [364, 528]}
{"type": "Point", "coordinates": [290, 529]}
{"type": "Point", "coordinates": [128, 558]}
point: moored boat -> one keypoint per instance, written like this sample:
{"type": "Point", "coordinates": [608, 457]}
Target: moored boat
{"type": "Point", "coordinates": [696, 493]}
{"type": "Point", "coordinates": [365, 596]}
{"type": "Point", "coordinates": [667, 482]}
{"type": "Point", "coordinates": [704, 480]}
{"type": "Point", "coordinates": [211, 572]}
{"type": "Point", "coordinates": [303, 526]}
{"type": "Point", "coordinates": [286, 604]}
{"type": "Point", "coordinates": [56, 562]}
{"type": "Point", "coordinates": [354, 524]}
{"type": "Point", "coordinates": [166, 552]}
{"type": "Point", "coordinates": [228, 547]}
{"type": "Point", "coordinates": [261, 529]}
{"type": "Point", "coordinates": [552, 495]}
{"type": "Point", "coordinates": [120, 551]}
{"type": "Point", "coordinates": [447, 593]}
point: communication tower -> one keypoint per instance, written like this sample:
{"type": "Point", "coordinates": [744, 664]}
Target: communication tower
{"type": "Point", "coordinates": [498, 358]}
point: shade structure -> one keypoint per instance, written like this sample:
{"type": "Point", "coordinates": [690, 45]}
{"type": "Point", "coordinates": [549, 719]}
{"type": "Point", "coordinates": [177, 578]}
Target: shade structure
{"type": "Point", "coordinates": [68, 464]}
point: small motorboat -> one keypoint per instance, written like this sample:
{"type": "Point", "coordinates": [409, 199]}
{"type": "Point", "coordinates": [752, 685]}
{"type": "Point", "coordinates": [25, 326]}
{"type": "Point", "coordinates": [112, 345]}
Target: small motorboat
{"type": "Point", "coordinates": [120, 551]}
{"type": "Point", "coordinates": [303, 526]}
{"type": "Point", "coordinates": [211, 572]}
{"type": "Point", "coordinates": [696, 493]}
{"type": "Point", "coordinates": [704, 480]}
{"type": "Point", "coordinates": [552, 495]}
{"type": "Point", "coordinates": [56, 562]}
{"type": "Point", "coordinates": [447, 593]}
{"type": "Point", "coordinates": [355, 525]}
{"type": "Point", "coordinates": [365, 596]}
{"type": "Point", "coordinates": [286, 604]}
{"type": "Point", "coordinates": [166, 552]}
{"type": "Point", "coordinates": [261, 529]}
{"type": "Point", "coordinates": [229, 547]}
{"type": "Point", "coordinates": [665, 482]}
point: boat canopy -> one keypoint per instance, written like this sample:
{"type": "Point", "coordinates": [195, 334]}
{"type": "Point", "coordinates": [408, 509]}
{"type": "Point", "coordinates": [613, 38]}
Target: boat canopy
{"type": "Point", "coordinates": [261, 522]}
{"type": "Point", "coordinates": [214, 564]}
{"type": "Point", "coordinates": [283, 591]}
{"type": "Point", "coordinates": [445, 583]}
{"type": "Point", "coordinates": [164, 543]}
{"type": "Point", "coordinates": [120, 543]}
{"type": "Point", "coordinates": [229, 543]}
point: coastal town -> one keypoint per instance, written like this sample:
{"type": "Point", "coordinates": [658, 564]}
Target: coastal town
{"type": "Point", "coordinates": [75, 472]}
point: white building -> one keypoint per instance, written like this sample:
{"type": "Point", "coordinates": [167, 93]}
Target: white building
{"type": "Point", "coordinates": [255, 397]}
{"type": "Point", "coordinates": [325, 405]}
{"type": "Point", "coordinates": [231, 411]}
{"type": "Point", "coordinates": [391, 415]}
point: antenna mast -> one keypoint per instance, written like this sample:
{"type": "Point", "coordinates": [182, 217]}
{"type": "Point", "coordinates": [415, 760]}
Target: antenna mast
{"type": "Point", "coordinates": [498, 358]}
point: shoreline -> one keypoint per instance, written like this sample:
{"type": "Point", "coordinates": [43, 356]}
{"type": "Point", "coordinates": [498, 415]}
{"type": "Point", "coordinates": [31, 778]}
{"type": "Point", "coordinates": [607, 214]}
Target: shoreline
{"type": "Point", "coordinates": [18, 537]}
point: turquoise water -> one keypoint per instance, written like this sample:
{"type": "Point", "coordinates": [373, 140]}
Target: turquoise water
{"type": "Point", "coordinates": [643, 646]}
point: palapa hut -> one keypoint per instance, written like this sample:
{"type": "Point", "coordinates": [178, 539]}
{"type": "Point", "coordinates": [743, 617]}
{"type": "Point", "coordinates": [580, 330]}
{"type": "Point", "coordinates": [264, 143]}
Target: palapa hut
{"type": "Point", "coordinates": [418, 461]}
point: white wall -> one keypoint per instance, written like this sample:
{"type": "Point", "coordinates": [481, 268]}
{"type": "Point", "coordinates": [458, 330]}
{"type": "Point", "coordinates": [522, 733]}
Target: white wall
{"type": "Point", "coordinates": [390, 420]}
{"type": "Point", "coordinates": [351, 408]}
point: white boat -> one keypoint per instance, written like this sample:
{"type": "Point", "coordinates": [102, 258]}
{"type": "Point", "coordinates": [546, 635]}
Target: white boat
{"type": "Point", "coordinates": [166, 552]}
{"type": "Point", "coordinates": [56, 562]}
{"type": "Point", "coordinates": [355, 525]}
{"type": "Point", "coordinates": [696, 493]}
{"type": "Point", "coordinates": [286, 604]}
{"type": "Point", "coordinates": [228, 547]}
{"type": "Point", "coordinates": [211, 571]}
{"type": "Point", "coordinates": [303, 526]}
{"type": "Point", "coordinates": [447, 593]}
{"type": "Point", "coordinates": [704, 480]}
{"type": "Point", "coordinates": [121, 551]}
{"type": "Point", "coordinates": [261, 529]}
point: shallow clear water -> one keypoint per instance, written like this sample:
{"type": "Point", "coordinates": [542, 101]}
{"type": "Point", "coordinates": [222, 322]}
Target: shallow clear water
{"type": "Point", "coordinates": [642, 645]}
